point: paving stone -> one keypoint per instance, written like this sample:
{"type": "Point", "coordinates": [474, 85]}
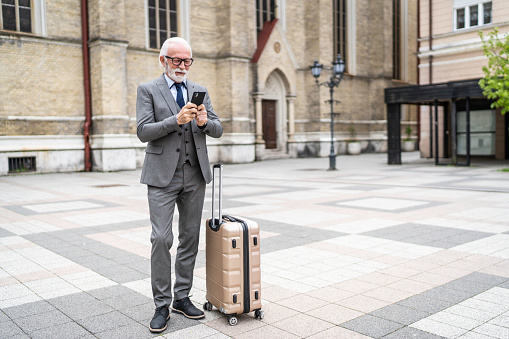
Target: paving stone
{"type": "Point", "coordinates": [436, 236]}
{"type": "Point", "coordinates": [121, 302]}
{"type": "Point", "coordinates": [372, 326]}
{"type": "Point", "coordinates": [109, 292]}
{"type": "Point", "coordinates": [143, 266]}
{"type": "Point", "coordinates": [468, 236]}
{"type": "Point", "coordinates": [42, 320]}
{"type": "Point", "coordinates": [425, 304]}
{"type": "Point", "coordinates": [400, 314]}
{"type": "Point", "coordinates": [28, 309]}
{"type": "Point", "coordinates": [105, 322]}
{"type": "Point", "coordinates": [131, 331]}
{"type": "Point", "coordinates": [178, 322]}
{"type": "Point", "coordinates": [109, 252]}
{"type": "Point", "coordinates": [73, 252]}
{"type": "Point", "coordinates": [129, 259]}
{"type": "Point", "coordinates": [486, 279]}
{"type": "Point", "coordinates": [41, 237]}
{"type": "Point", "coordinates": [121, 274]}
{"type": "Point", "coordinates": [141, 313]}
{"type": "Point", "coordinates": [94, 261]}
{"type": "Point", "coordinates": [450, 295]}
{"type": "Point", "coordinates": [122, 226]}
{"type": "Point", "coordinates": [79, 309]}
{"type": "Point", "coordinates": [441, 244]}
{"type": "Point", "coordinates": [3, 317]}
{"type": "Point", "coordinates": [69, 330]}
{"type": "Point", "coordinates": [410, 332]}
{"type": "Point", "coordinates": [467, 285]}
{"type": "Point", "coordinates": [20, 336]}
{"type": "Point", "coordinates": [203, 331]}
{"type": "Point", "coordinates": [5, 233]}
{"type": "Point", "coordinates": [9, 329]}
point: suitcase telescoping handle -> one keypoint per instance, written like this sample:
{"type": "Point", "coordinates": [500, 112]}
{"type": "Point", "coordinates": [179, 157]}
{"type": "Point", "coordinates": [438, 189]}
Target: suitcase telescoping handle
{"type": "Point", "coordinates": [214, 223]}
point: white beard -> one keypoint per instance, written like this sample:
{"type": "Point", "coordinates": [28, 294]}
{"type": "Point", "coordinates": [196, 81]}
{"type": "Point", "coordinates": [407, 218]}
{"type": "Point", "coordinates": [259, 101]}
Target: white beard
{"type": "Point", "coordinates": [171, 72]}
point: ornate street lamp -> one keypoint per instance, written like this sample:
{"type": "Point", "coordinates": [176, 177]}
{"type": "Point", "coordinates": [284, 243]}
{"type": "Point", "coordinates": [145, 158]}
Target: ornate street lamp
{"type": "Point", "coordinates": [338, 68]}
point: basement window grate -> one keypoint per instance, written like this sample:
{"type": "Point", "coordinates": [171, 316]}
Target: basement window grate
{"type": "Point", "coordinates": [21, 165]}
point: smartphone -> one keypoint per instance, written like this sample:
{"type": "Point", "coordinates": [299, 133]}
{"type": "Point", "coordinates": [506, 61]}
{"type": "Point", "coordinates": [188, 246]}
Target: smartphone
{"type": "Point", "coordinates": [198, 98]}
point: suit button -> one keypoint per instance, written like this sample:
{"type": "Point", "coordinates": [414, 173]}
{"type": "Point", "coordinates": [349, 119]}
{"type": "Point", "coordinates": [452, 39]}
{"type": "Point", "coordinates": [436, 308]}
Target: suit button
{"type": "Point", "coordinates": [186, 129]}
{"type": "Point", "coordinates": [187, 154]}
{"type": "Point", "coordinates": [180, 133]}
{"type": "Point", "coordinates": [187, 142]}
{"type": "Point", "coordinates": [178, 150]}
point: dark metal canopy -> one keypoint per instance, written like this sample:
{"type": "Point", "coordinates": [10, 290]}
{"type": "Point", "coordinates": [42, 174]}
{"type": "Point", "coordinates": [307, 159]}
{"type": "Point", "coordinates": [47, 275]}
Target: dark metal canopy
{"type": "Point", "coordinates": [444, 94]}
{"type": "Point", "coordinates": [426, 94]}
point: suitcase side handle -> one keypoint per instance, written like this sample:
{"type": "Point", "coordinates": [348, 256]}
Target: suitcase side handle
{"type": "Point", "coordinates": [214, 223]}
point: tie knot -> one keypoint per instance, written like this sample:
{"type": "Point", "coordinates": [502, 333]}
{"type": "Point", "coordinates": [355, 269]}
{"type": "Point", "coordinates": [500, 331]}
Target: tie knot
{"type": "Point", "coordinates": [178, 85]}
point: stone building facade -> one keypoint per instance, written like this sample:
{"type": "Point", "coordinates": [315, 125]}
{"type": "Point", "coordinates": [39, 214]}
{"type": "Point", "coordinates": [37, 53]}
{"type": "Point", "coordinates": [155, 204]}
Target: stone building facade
{"type": "Point", "coordinates": [253, 56]}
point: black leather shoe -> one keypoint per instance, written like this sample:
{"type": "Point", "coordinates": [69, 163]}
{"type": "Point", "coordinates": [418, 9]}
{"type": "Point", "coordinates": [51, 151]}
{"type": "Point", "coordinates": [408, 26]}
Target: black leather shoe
{"type": "Point", "coordinates": [186, 307]}
{"type": "Point", "coordinates": [160, 320]}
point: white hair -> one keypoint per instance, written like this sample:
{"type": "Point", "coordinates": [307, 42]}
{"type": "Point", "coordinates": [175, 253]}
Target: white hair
{"type": "Point", "coordinates": [172, 41]}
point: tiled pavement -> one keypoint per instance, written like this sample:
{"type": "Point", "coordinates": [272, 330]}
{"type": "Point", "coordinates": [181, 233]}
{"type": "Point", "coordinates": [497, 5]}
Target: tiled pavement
{"type": "Point", "coordinates": [368, 251]}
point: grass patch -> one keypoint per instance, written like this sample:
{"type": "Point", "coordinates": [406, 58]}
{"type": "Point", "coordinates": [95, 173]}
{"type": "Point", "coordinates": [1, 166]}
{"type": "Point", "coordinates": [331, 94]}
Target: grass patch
{"type": "Point", "coordinates": [504, 170]}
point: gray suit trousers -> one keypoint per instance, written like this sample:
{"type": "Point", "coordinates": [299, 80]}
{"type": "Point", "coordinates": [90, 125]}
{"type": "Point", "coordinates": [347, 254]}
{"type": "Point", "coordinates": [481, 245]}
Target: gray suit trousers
{"type": "Point", "coordinates": [187, 191]}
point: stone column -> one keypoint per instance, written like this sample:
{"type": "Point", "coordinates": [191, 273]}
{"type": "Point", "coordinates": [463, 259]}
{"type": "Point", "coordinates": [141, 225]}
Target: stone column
{"type": "Point", "coordinates": [290, 99]}
{"type": "Point", "coordinates": [112, 149]}
{"type": "Point", "coordinates": [259, 142]}
{"type": "Point", "coordinates": [259, 117]}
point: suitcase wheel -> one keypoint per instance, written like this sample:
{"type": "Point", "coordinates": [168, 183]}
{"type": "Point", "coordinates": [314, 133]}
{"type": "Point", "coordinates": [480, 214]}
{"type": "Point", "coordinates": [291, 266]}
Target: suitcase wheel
{"type": "Point", "coordinates": [207, 306]}
{"type": "Point", "coordinates": [259, 314]}
{"type": "Point", "coordinates": [232, 320]}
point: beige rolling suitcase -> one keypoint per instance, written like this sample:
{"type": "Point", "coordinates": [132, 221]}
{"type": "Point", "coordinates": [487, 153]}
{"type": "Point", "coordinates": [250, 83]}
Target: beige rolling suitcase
{"type": "Point", "coordinates": [233, 262]}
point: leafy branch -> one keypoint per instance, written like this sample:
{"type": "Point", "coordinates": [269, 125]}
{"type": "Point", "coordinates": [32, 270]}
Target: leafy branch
{"type": "Point", "coordinates": [495, 84]}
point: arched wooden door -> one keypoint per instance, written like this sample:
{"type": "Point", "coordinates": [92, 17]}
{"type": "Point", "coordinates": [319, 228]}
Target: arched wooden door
{"type": "Point", "coordinates": [269, 123]}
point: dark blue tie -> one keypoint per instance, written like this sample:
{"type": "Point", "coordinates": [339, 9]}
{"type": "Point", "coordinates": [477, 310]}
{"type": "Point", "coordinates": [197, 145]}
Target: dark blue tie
{"type": "Point", "coordinates": [180, 97]}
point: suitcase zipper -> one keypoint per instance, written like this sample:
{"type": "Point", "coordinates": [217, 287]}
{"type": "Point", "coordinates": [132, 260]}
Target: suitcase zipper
{"type": "Point", "coordinates": [245, 242]}
{"type": "Point", "coordinates": [247, 301]}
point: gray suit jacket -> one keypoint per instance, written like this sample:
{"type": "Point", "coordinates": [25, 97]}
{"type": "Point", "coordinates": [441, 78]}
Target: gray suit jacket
{"type": "Point", "coordinates": [156, 114]}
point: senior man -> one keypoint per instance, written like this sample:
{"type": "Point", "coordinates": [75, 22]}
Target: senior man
{"type": "Point", "coordinates": [176, 171]}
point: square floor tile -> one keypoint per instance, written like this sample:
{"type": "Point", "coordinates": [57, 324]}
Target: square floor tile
{"type": "Point", "coordinates": [427, 235]}
{"type": "Point", "coordinates": [438, 328]}
{"type": "Point", "coordinates": [400, 314]}
{"type": "Point", "coordinates": [410, 332]}
{"type": "Point", "coordinates": [335, 314]}
{"type": "Point", "coordinates": [302, 303]}
{"type": "Point", "coordinates": [492, 330]}
{"type": "Point", "coordinates": [386, 204]}
{"type": "Point", "coordinates": [425, 304]}
{"type": "Point", "coordinates": [338, 332]}
{"type": "Point", "coordinates": [264, 332]}
{"type": "Point", "coordinates": [372, 326]}
{"type": "Point", "coordinates": [303, 325]}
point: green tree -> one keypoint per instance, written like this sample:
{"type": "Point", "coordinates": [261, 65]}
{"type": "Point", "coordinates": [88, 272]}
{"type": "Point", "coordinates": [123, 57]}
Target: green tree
{"type": "Point", "coordinates": [495, 84]}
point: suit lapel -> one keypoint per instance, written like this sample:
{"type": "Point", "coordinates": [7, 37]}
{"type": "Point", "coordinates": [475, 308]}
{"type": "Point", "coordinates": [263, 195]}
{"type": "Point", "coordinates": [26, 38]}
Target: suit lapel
{"type": "Point", "coordinates": [166, 93]}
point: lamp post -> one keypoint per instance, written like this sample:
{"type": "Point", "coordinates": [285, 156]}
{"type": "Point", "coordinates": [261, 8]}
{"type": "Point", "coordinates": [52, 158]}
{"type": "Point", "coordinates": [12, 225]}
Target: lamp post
{"type": "Point", "coordinates": [338, 68]}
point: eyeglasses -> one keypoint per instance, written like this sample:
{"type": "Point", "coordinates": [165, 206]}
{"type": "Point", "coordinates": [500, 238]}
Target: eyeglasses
{"type": "Point", "coordinates": [178, 61]}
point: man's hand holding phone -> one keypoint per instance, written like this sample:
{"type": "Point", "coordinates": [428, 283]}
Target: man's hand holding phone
{"type": "Point", "coordinates": [193, 110]}
{"type": "Point", "coordinates": [187, 113]}
{"type": "Point", "coordinates": [201, 114]}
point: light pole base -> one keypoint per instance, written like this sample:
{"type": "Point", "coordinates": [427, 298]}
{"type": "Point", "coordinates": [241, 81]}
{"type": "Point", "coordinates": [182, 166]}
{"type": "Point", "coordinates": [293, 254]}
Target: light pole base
{"type": "Point", "coordinates": [332, 162]}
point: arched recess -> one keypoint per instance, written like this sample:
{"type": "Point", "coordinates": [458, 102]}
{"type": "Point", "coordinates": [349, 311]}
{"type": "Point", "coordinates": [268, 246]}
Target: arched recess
{"type": "Point", "coordinates": [275, 112]}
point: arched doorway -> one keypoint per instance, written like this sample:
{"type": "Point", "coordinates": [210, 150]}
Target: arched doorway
{"type": "Point", "coordinates": [274, 116]}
